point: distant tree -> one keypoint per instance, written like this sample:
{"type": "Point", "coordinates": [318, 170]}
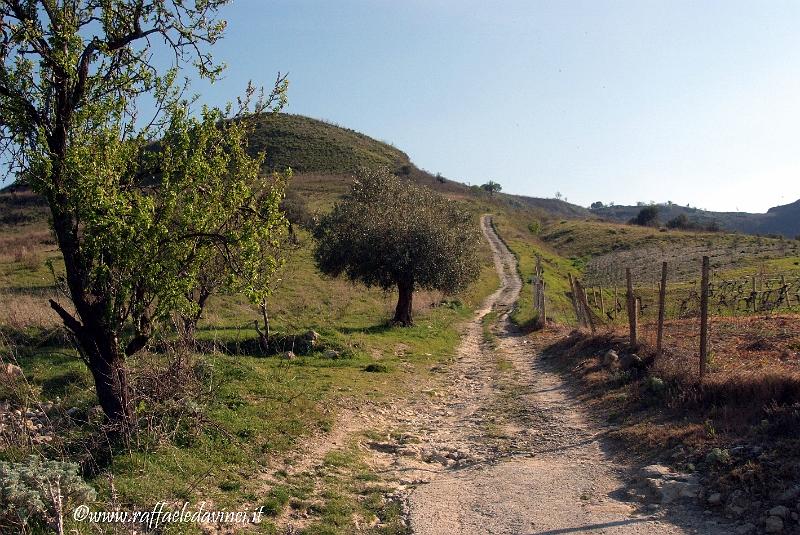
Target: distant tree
{"type": "Point", "coordinates": [391, 233]}
{"type": "Point", "coordinates": [679, 222]}
{"type": "Point", "coordinates": [491, 187]}
{"type": "Point", "coordinates": [647, 217]}
{"type": "Point", "coordinates": [597, 204]}
{"type": "Point", "coordinates": [640, 203]}
{"type": "Point", "coordinates": [559, 195]}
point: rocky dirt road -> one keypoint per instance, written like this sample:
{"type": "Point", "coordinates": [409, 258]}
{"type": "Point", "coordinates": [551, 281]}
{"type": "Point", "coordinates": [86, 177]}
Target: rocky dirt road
{"type": "Point", "coordinates": [504, 448]}
{"type": "Point", "coordinates": [497, 443]}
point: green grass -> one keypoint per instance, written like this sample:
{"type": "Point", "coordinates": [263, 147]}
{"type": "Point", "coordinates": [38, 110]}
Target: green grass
{"type": "Point", "coordinates": [257, 409]}
{"type": "Point", "coordinates": [526, 246]}
{"type": "Point", "coordinates": [312, 146]}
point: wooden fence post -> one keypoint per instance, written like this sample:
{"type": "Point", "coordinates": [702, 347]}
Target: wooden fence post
{"type": "Point", "coordinates": [633, 314]}
{"type": "Point", "coordinates": [602, 303]}
{"type": "Point", "coordinates": [704, 317]}
{"type": "Point", "coordinates": [584, 303]}
{"type": "Point", "coordinates": [544, 305]}
{"type": "Point", "coordinates": [662, 298]}
{"type": "Point", "coordinates": [616, 301]}
{"type": "Point", "coordinates": [574, 294]}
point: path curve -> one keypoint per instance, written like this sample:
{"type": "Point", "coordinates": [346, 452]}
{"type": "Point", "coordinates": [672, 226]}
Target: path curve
{"type": "Point", "coordinates": [528, 458]}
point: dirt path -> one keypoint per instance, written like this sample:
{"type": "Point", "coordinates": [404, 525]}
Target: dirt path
{"type": "Point", "coordinates": [504, 448]}
{"type": "Point", "coordinates": [497, 444]}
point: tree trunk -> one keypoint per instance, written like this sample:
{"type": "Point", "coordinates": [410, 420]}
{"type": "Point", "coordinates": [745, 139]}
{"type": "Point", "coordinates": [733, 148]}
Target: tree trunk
{"type": "Point", "coordinates": [113, 392]}
{"type": "Point", "coordinates": [402, 314]}
{"type": "Point", "coordinates": [96, 336]}
{"type": "Point", "coordinates": [106, 360]}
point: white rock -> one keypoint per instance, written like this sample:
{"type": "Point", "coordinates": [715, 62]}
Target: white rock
{"type": "Point", "coordinates": [610, 358]}
{"type": "Point", "coordinates": [656, 471]}
{"type": "Point", "coordinates": [714, 498]}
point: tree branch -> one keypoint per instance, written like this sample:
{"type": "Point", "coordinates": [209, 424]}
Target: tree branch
{"type": "Point", "coordinates": [69, 320]}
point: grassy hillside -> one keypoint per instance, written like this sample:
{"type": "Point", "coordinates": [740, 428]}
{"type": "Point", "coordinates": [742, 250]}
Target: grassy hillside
{"type": "Point", "coordinates": [604, 250]}
{"type": "Point", "coordinates": [312, 146]}
{"type": "Point", "coordinates": [227, 419]}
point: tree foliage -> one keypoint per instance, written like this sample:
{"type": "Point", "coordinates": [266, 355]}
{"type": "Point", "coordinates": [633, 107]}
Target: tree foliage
{"type": "Point", "coordinates": [491, 187]}
{"type": "Point", "coordinates": [389, 232]}
{"type": "Point", "coordinates": [139, 204]}
{"type": "Point", "coordinates": [647, 216]}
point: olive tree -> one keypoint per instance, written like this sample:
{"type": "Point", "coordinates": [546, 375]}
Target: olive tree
{"type": "Point", "coordinates": [388, 232]}
{"type": "Point", "coordinates": [138, 202]}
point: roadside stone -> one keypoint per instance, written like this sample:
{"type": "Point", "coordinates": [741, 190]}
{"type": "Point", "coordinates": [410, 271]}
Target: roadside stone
{"type": "Point", "coordinates": [610, 358]}
{"type": "Point", "coordinates": [670, 490]}
{"type": "Point", "coordinates": [288, 355]}
{"type": "Point", "coordinates": [656, 471]}
{"type": "Point", "coordinates": [745, 529]}
{"type": "Point", "coordinates": [714, 498]}
{"type": "Point", "coordinates": [331, 354]}
{"type": "Point", "coordinates": [790, 494]}
{"type": "Point", "coordinates": [311, 337]}
{"type": "Point", "coordinates": [773, 524]}
{"type": "Point", "coordinates": [12, 370]}
{"type": "Point", "coordinates": [780, 511]}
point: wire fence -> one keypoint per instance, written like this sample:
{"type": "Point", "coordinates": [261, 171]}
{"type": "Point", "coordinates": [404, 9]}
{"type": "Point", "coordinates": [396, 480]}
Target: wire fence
{"type": "Point", "coordinates": [677, 319]}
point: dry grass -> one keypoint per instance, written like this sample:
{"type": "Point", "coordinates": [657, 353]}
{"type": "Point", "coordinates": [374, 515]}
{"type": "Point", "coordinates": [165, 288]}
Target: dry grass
{"type": "Point", "coordinates": [20, 312]}
{"type": "Point", "coordinates": [25, 245]}
{"type": "Point", "coordinates": [753, 374]}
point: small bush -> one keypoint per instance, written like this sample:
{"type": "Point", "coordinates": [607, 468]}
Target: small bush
{"type": "Point", "coordinates": [376, 368]}
{"type": "Point", "coordinates": [647, 217]}
{"type": "Point", "coordinates": [36, 492]}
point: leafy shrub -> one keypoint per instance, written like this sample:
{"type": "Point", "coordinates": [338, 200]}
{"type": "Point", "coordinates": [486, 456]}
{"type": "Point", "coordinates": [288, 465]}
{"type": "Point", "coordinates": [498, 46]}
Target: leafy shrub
{"type": "Point", "coordinates": [647, 217]}
{"type": "Point", "coordinates": [36, 492]}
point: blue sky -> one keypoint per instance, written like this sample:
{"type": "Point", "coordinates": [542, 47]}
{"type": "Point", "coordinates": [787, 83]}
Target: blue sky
{"type": "Point", "coordinates": [693, 102]}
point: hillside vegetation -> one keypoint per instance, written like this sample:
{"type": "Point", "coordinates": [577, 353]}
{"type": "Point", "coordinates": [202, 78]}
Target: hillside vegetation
{"type": "Point", "coordinates": [230, 408]}
{"type": "Point", "coordinates": [779, 220]}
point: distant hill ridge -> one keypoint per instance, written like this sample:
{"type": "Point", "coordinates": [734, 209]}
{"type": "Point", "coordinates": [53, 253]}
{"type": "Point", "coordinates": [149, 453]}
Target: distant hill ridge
{"type": "Point", "coordinates": [780, 220]}
{"type": "Point", "coordinates": [315, 147]}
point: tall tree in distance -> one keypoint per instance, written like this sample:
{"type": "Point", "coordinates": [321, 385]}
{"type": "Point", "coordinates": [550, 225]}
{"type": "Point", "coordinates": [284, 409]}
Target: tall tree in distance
{"type": "Point", "coordinates": [391, 233]}
{"type": "Point", "coordinates": [137, 202]}
{"type": "Point", "coordinates": [491, 187]}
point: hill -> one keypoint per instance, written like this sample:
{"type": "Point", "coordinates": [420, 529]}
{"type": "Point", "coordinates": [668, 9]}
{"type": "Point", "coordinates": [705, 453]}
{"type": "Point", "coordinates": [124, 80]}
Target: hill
{"type": "Point", "coordinates": [779, 220]}
{"type": "Point", "coordinates": [313, 146]}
